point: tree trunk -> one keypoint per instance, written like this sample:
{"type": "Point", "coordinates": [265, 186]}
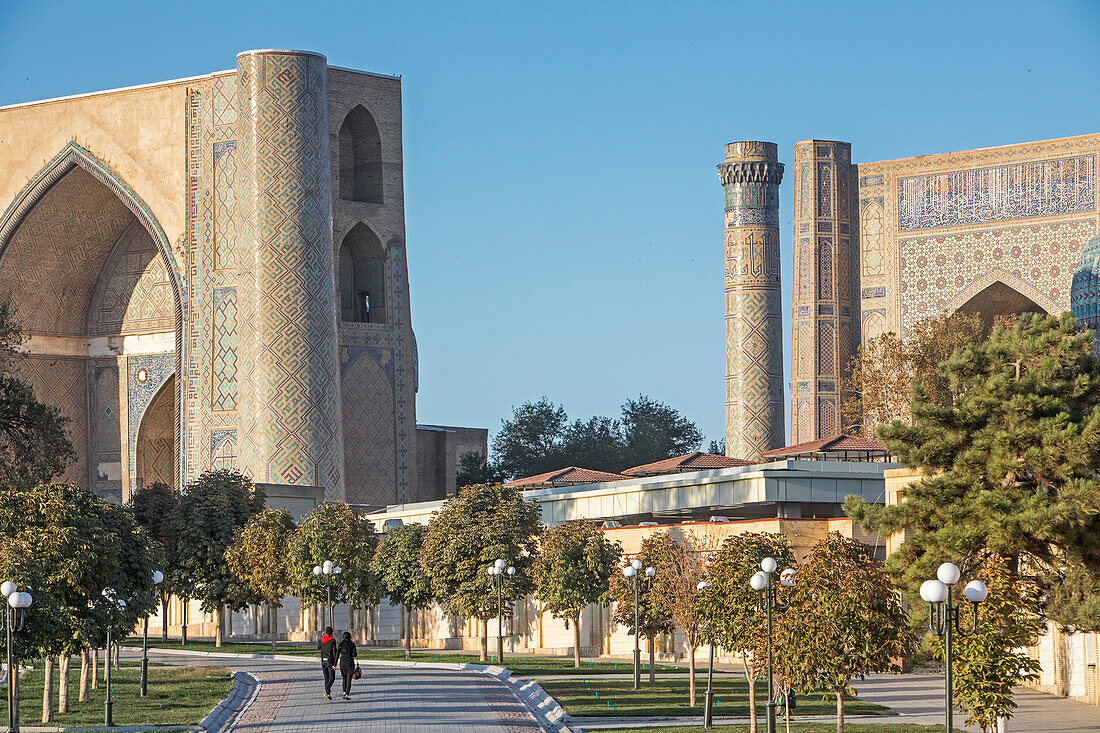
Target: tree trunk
{"type": "Point", "coordinates": [106, 661]}
{"type": "Point", "coordinates": [274, 625]}
{"type": "Point", "coordinates": [63, 683]}
{"type": "Point", "coordinates": [183, 628]}
{"type": "Point", "coordinates": [691, 676]}
{"type": "Point", "coordinates": [577, 640]}
{"type": "Point", "coordinates": [83, 693]}
{"type": "Point", "coordinates": [652, 645]}
{"type": "Point", "coordinates": [164, 616]}
{"type": "Point", "coordinates": [47, 691]}
{"type": "Point", "coordinates": [484, 640]}
{"type": "Point", "coordinates": [752, 699]}
{"type": "Point", "coordinates": [118, 655]}
{"type": "Point", "coordinates": [840, 711]}
{"type": "Point", "coordinates": [219, 615]}
{"type": "Point", "coordinates": [95, 669]}
{"type": "Point", "coordinates": [408, 633]}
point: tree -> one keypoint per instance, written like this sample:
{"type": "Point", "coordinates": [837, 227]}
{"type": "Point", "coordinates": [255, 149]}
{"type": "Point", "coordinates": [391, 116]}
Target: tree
{"type": "Point", "coordinates": [34, 448]}
{"type": "Point", "coordinates": [652, 617]}
{"type": "Point", "coordinates": [731, 609]}
{"type": "Point", "coordinates": [574, 569]}
{"type": "Point", "coordinates": [881, 374]}
{"type": "Point", "coordinates": [480, 525]}
{"type": "Point", "coordinates": [596, 443]}
{"type": "Point", "coordinates": [152, 505]}
{"type": "Point", "coordinates": [259, 558]}
{"type": "Point", "coordinates": [990, 663]}
{"type": "Point", "coordinates": [844, 621]}
{"type": "Point", "coordinates": [1010, 466]}
{"type": "Point", "coordinates": [200, 529]}
{"type": "Point", "coordinates": [530, 442]}
{"type": "Point", "coordinates": [397, 564]}
{"type": "Point", "coordinates": [653, 431]}
{"type": "Point", "coordinates": [335, 532]}
{"type": "Point", "coordinates": [681, 567]}
{"type": "Point", "coordinates": [718, 447]}
{"type": "Point", "coordinates": [473, 468]}
{"type": "Point", "coordinates": [65, 546]}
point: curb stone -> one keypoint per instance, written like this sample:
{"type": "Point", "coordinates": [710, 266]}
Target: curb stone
{"type": "Point", "coordinates": [545, 709]}
{"type": "Point", "coordinates": [245, 688]}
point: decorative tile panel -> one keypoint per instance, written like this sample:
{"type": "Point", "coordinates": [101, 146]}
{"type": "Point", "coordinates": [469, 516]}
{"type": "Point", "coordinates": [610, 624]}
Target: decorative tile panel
{"type": "Point", "coordinates": [1000, 193]}
{"type": "Point", "coordinates": [223, 368]}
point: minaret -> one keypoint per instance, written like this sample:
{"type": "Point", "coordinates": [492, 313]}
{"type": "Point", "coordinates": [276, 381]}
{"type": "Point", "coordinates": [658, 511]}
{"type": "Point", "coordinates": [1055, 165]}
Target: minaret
{"type": "Point", "coordinates": [754, 323]}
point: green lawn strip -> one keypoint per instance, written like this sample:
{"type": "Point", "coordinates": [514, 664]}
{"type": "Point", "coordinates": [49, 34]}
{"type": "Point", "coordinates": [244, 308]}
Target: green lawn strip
{"type": "Point", "coordinates": [618, 698]}
{"type": "Point", "coordinates": [176, 697]}
{"type": "Point", "coordinates": [822, 726]}
{"type": "Point", "coordinates": [524, 666]}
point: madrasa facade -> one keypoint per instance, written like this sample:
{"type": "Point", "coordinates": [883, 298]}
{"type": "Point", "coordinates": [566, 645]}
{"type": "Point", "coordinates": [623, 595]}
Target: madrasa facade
{"type": "Point", "coordinates": [878, 246]}
{"type": "Point", "coordinates": [211, 273]}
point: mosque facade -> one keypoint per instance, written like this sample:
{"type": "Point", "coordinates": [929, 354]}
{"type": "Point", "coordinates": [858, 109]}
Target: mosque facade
{"type": "Point", "coordinates": [878, 246]}
{"type": "Point", "coordinates": [211, 273]}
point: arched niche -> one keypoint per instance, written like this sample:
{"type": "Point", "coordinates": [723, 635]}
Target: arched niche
{"type": "Point", "coordinates": [362, 276]}
{"type": "Point", "coordinates": [999, 299]}
{"type": "Point", "coordinates": [360, 158]}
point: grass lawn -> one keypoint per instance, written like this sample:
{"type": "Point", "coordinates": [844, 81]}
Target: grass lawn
{"type": "Point", "coordinates": [670, 698]}
{"type": "Point", "coordinates": [176, 696]}
{"type": "Point", "coordinates": [523, 666]}
{"type": "Point", "coordinates": [823, 726]}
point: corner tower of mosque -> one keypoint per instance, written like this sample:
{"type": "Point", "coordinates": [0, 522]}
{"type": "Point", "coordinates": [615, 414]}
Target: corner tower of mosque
{"type": "Point", "coordinates": [751, 175]}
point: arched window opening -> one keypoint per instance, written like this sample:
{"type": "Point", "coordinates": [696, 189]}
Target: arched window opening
{"type": "Point", "coordinates": [360, 158]}
{"type": "Point", "coordinates": [999, 300]}
{"type": "Point", "coordinates": [362, 277]}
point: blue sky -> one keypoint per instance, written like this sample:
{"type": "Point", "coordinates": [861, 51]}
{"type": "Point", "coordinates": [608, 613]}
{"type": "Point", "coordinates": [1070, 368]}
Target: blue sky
{"type": "Point", "coordinates": [564, 215]}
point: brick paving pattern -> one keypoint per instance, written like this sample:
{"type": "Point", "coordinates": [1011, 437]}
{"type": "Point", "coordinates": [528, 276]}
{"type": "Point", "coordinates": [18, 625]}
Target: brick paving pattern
{"type": "Point", "coordinates": [395, 699]}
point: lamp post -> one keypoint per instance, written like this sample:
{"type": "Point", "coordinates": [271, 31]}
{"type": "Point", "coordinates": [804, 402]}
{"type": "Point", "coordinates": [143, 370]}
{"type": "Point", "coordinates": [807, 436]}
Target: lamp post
{"type": "Point", "coordinates": [943, 619]}
{"type": "Point", "coordinates": [708, 721]}
{"type": "Point", "coordinates": [327, 571]}
{"type": "Point", "coordinates": [158, 578]}
{"type": "Point", "coordinates": [762, 581]}
{"type": "Point", "coordinates": [496, 573]}
{"type": "Point", "coordinates": [630, 572]}
{"type": "Point", "coordinates": [15, 611]}
{"type": "Point", "coordinates": [114, 604]}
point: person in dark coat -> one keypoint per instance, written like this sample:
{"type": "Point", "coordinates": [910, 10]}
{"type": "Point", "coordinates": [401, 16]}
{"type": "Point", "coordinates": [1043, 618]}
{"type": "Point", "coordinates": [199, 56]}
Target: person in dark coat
{"type": "Point", "coordinates": [346, 655]}
{"type": "Point", "coordinates": [327, 645]}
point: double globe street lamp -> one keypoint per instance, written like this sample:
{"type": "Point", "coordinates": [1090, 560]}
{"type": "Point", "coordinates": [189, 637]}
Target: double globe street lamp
{"type": "Point", "coordinates": [158, 578]}
{"type": "Point", "coordinates": [943, 619]}
{"type": "Point", "coordinates": [16, 604]}
{"type": "Point", "coordinates": [630, 572]}
{"type": "Point", "coordinates": [761, 581]}
{"type": "Point", "coordinates": [497, 572]}
{"type": "Point", "coordinates": [327, 572]}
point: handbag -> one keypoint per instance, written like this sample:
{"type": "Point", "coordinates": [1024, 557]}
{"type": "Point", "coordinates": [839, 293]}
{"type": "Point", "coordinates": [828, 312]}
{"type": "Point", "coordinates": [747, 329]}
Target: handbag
{"type": "Point", "coordinates": [357, 673]}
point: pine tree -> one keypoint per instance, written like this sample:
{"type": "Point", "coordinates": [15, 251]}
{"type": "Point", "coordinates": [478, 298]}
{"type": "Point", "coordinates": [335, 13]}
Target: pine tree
{"type": "Point", "coordinates": [1010, 464]}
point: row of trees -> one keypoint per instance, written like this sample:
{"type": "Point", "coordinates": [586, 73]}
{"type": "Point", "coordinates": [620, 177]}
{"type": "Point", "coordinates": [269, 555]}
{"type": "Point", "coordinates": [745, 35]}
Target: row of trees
{"type": "Point", "coordinates": [540, 437]}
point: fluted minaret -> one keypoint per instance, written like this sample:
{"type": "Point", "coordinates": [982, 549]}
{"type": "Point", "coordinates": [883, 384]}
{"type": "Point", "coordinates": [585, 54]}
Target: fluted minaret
{"type": "Point", "coordinates": [754, 323]}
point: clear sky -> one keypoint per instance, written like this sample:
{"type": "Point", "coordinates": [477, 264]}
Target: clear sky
{"type": "Point", "coordinates": [564, 215]}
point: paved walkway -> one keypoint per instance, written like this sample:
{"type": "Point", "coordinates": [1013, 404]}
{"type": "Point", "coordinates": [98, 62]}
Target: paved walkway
{"type": "Point", "coordinates": [393, 697]}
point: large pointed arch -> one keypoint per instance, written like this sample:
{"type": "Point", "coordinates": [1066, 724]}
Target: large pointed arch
{"type": "Point", "coordinates": [985, 281]}
{"type": "Point", "coordinates": [70, 158]}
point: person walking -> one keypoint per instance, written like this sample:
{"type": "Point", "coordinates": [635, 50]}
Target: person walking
{"type": "Point", "coordinates": [348, 666]}
{"type": "Point", "coordinates": [327, 645]}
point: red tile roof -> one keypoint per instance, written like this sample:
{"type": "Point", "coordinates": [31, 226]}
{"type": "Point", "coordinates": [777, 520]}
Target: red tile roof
{"type": "Point", "coordinates": [696, 461]}
{"type": "Point", "coordinates": [568, 476]}
{"type": "Point", "coordinates": [837, 443]}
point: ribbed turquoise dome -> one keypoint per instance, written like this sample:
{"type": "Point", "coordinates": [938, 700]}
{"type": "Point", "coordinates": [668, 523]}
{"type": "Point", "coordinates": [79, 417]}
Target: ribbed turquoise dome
{"type": "Point", "coordinates": [1084, 293]}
